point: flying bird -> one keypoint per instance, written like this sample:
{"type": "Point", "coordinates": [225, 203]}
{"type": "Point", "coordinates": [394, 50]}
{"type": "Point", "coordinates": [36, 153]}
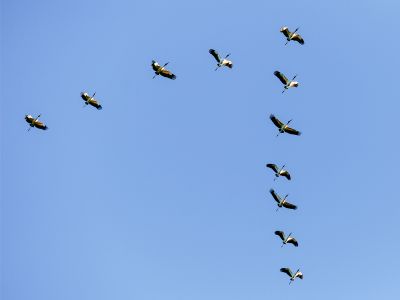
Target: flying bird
{"type": "Point", "coordinates": [279, 171]}
{"type": "Point", "coordinates": [286, 239]}
{"type": "Point", "coordinates": [282, 202]}
{"type": "Point", "coordinates": [34, 122]}
{"type": "Point", "coordinates": [286, 82]}
{"type": "Point", "coordinates": [90, 100]}
{"type": "Point", "coordinates": [292, 36]}
{"type": "Point", "coordinates": [161, 70]}
{"type": "Point", "coordinates": [292, 276]}
{"type": "Point", "coordinates": [283, 127]}
{"type": "Point", "coordinates": [221, 62]}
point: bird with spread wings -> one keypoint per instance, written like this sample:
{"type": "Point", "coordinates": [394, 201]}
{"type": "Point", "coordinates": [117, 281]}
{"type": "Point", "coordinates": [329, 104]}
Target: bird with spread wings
{"type": "Point", "coordinates": [161, 70]}
{"type": "Point", "coordinates": [283, 127]}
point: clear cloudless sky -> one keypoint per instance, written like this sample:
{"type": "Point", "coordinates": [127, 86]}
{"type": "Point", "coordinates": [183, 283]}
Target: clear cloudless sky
{"type": "Point", "coordinates": [163, 194]}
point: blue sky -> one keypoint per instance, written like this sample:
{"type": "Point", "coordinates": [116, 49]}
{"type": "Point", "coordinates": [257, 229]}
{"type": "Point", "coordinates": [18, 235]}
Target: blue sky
{"type": "Point", "coordinates": [164, 193]}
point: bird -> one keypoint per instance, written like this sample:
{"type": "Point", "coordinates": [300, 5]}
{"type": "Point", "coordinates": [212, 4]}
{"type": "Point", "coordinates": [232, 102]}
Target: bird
{"type": "Point", "coordinates": [283, 127]}
{"type": "Point", "coordinates": [90, 100]}
{"type": "Point", "coordinates": [221, 62]}
{"type": "Point", "coordinates": [292, 276]}
{"type": "Point", "coordinates": [287, 83]}
{"type": "Point", "coordinates": [34, 122]}
{"type": "Point", "coordinates": [161, 70]}
{"type": "Point", "coordinates": [279, 171]}
{"type": "Point", "coordinates": [282, 202]}
{"type": "Point", "coordinates": [286, 239]}
{"type": "Point", "coordinates": [292, 36]}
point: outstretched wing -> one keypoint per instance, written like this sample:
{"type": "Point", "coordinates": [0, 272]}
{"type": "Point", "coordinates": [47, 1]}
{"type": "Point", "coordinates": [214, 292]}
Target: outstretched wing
{"type": "Point", "coordinates": [275, 196]}
{"type": "Point", "coordinates": [292, 131]}
{"type": "Point", "coordinates": [95, 103]}
{"type": "Point", "coordinates": [289, 205]}
{"type": "Point", "coordinates": [215, 55]}
{"type": "Point", "coordinates": [293, 241]}
{"type": "Point", "coordinates": [275, 120]}
{"type": "Point", "coordinates": [287, 271]}
{"type": "Point", "coordinates": [285, 31]}
{"type": "Point", "coordinates": [29, 119]}
{"type": "Point", "coordinates": [281, 234]}
{"type": "Point", "coordinates": [40, 125]}
{"type": "Point", "coordinates": [297, 37]}
{"type": "Point", "coordinates": [273, 167]}
{"type": "Point", "coordinates": [85, 96]}
{"type": "Point", "coordinates": [286, 174]}
{"type": "Point", "coordinates": [281, 77]}
{"type": "Point", "coordinates": [168, 74]}
{"type": "Point", "coordinates": [299, 275]}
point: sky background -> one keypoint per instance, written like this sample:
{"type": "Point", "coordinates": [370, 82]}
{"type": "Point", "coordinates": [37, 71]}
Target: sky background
{"type": "Point", "coordinates": [164, 193]}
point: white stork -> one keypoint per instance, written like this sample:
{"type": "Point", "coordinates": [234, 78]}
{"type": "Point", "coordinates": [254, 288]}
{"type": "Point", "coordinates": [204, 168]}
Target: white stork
{"type": "Point", "coordinates": [161, 70]}
{"type": "Point", "coordinates": [34, 122]}
{"type": "Point", "coordinates": [292, 36]}
{"type": "Point", "coordinates": [282, 202]}
{"type": "Point", "coordinates": [286, 239]}
{"type": "Point", "coordinates": [90, 100]}
{"type": "Point", "coordinates": [286, 82]}
{"type": "Point", "coordinates": [221, 62]}
{"type": "Point", "coordinates": [283, 127]}
{"type": "Point", "coordinates": [279, 171]}
{"type": "Point", "coordinates": [292, 276]}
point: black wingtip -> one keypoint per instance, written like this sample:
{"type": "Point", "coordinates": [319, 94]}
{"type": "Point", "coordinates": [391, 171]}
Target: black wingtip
{"type": "Point", "coordinates": [100, 107]}
{"type": "Point", "coordinates": [173, 77]}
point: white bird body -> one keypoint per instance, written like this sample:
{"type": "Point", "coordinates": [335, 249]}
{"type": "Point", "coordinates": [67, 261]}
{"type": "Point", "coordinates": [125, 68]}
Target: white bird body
{"type": "Point", "coordinates": [285, 81]}
{"type": "Point", "coordinates": [226, 62]}
{"type": "Point", "coordinates": [282, 127]}
{"type": "Point", "coordinates": [161, 70]}
{"type": "Point", "coordinates": [281, 202]}
{"type": "Point", "coordinates": [91, 100]}
{"type": "Point", "coordinates": [34, 122]}
{"type": "Point", "coordinates": [279, 171]}
{"type": "Point", "coordinates": [292, 36]}
{"type": "Point", "coordinates": [292, 276]}
{"type": "Point", "coordinates": [287, 239]}
{"type": "Point", "coordinates": [221, 62]}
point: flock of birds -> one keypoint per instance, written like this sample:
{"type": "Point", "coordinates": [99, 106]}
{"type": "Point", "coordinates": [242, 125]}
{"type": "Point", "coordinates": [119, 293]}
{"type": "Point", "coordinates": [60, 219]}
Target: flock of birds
{"type": "Point", "coordinates": [280, 171]}
{"type": "Point", "coordinates": [282, 128]}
